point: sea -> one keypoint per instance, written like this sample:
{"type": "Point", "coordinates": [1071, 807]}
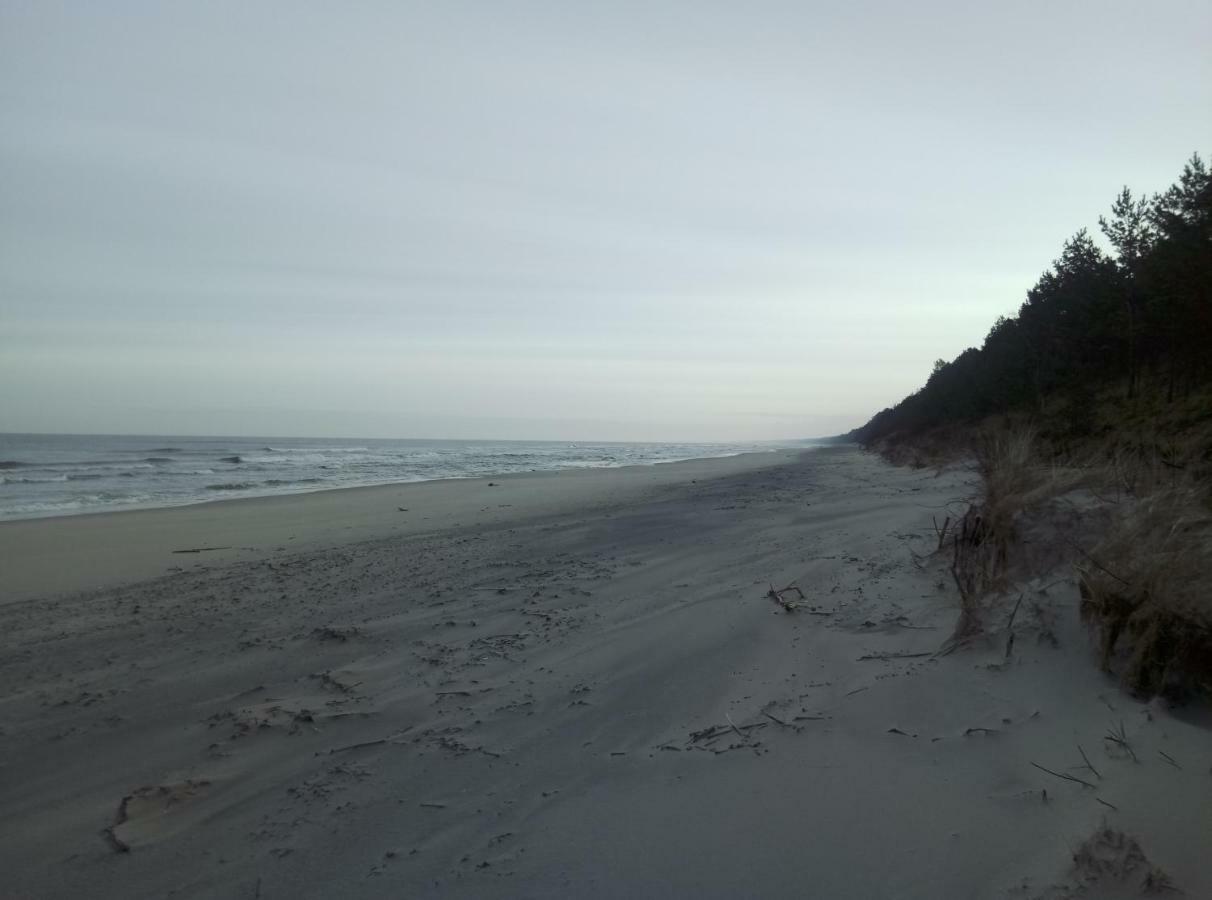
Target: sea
{"type": "Point", "coordinates": [69, 474]}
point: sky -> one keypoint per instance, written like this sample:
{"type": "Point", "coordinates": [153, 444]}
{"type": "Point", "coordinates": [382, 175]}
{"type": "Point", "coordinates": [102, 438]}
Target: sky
{"type": "Point", "coordinates": [629, 221]}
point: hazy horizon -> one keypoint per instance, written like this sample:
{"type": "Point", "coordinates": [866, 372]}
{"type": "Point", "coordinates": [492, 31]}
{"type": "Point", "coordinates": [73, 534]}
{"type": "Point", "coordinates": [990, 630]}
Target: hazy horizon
{"type": "Point", "coordinates": [367, 437]}
{"type": "Point", "coordinates": [682, 222]}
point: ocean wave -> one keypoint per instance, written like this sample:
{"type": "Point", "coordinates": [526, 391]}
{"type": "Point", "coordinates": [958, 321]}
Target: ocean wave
{"type": "Point", "coordinates": [14, 464]}
{"type": "Point", "coordinates": [157, 459]}
{"type": "Point", "coordinates": [8, 479]}
{"type": "Point", "coordinates": [165, 450]}
{"type": "Point", "coordinates": [279, 482]}
{"type": "Point", "coordinates": [230, 459]}
{"type": "Point", "coordinates": [232, 486]}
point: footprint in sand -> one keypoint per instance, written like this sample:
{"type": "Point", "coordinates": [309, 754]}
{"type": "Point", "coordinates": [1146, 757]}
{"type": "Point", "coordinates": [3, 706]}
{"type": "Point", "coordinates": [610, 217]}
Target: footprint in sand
{"type": "Point", "coordinates": [155, 812]}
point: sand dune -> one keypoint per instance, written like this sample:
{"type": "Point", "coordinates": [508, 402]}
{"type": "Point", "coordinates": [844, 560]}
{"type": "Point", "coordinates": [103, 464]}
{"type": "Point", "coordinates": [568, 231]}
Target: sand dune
{"type": "Point", "coordinates": [568, 685]}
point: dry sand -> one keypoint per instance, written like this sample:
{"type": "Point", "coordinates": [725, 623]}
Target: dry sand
{"type": "Point", "coordinates": [568, 685]}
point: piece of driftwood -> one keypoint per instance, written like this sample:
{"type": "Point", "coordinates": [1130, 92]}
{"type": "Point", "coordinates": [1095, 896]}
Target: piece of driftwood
{"type": "Point", "coordinates": [1066, 777]}
{"type": "Point", "coordinates": [738, 731]}
{"type": "Point", "coordinates": [777, 595]}
{"type": "Point", "coordinates": [1120, 737]}
{"type": "Point", "coordinates": [1170, 759]}
{"type": "Point", "coordinates": [895, 656]}
{"type": "Point", "coordinates": [357, 746]}
{"type": "Point", "coordinates": [715, 731]}
{"type": "Point", "coordinates": [1089, 765]}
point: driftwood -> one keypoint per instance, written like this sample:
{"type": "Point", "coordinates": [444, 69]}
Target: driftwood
{"type": "Point", "coordinates": [895, 656]}
{"type": "Point", "coordinates": [715, 731]}
{"type": "Point", "coordinates": [1066, 777]}
{"type": "Point", "coordinates": [738, 731]}
{"type": "Point", "coordinates": [777, 596]}
{"type": "Point", "coordinates": [1089, 765]}
{"type": "Point", "coordinates": [1120, 737]}
{"type": "Point", "coordinates": [1170, 759]}
{"type": "Point", "coordinates": [357, 746]}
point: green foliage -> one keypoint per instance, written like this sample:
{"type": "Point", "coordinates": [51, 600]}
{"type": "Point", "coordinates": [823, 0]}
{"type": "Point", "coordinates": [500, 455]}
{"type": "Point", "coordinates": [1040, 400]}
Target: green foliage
{"type": "Point", "coordinates": [1141, 317]}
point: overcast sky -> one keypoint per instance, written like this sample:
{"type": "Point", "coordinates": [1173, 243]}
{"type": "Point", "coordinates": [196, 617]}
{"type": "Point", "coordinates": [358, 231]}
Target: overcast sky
{"type": "Point", "coordinates": [678, 220]}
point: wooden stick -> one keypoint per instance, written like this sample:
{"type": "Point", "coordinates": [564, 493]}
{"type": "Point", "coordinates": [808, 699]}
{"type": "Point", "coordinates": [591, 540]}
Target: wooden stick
{"type": "Point", "coordinates": [1066, 777]}
{"type": "Point", "coordinates": [1089, 765]}
{"type": "Point", "coordinates": [1122, 739]}
{"type": "Point", "coordinates": [734, 728]}
{"type": "Point", "coordinates": [357, 746]}
{"type": "Point", "coordinates": [894, 656]}
{"type": "Point", "coordinates": [1170, 759]}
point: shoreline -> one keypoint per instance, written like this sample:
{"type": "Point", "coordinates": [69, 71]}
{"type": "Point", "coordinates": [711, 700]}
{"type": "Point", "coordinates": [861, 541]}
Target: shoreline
{"type": "Point", "coordinates": [49, 476]}
{"type": "Point", "coordinates": [220, 498]}
{"type": "Point", "coordinates": [49, 555]}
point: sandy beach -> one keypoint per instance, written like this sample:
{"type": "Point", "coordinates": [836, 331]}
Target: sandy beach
{"type": "Point", "coordinates": [570, 684]}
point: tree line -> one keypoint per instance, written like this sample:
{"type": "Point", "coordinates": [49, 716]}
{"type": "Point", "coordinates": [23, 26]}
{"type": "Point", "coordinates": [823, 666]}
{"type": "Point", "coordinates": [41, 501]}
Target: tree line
{"type": "Point", "coordinates": [1138, 319]}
